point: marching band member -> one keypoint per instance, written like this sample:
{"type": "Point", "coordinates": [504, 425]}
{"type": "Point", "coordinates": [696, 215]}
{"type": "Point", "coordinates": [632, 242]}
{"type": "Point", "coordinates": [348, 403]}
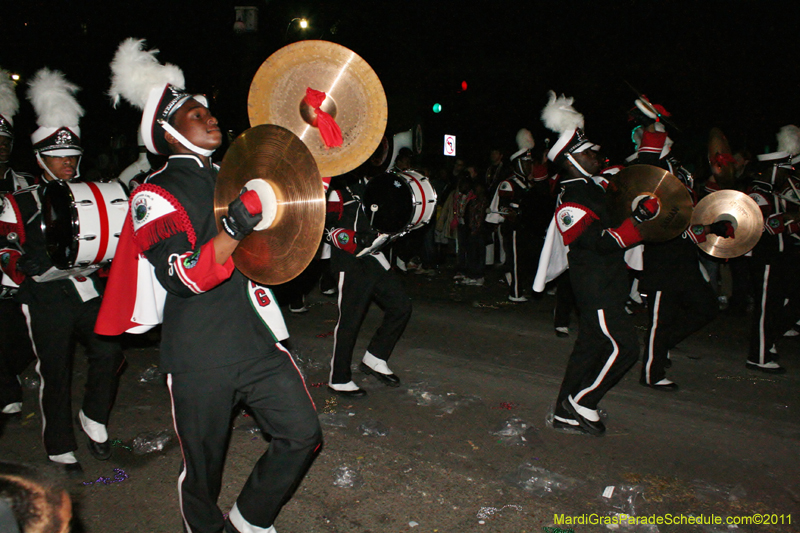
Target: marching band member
{"type": "Point", "coordinates": [220, 340]}
{"type": "Point", "coordinates": [774, 258]}
{"type": "Point", "coordinates": [513, 207]}
{"type": "Point", "coordinates": [607, 345]}
{"type": "Point", "coordinates": [677, 309]}
{"type": "Point", "coordinates": [60, 307]}
{"type": "Point", "coordinates": [15, 346]}
{"type": "Point", "coordinates": [363, 275]}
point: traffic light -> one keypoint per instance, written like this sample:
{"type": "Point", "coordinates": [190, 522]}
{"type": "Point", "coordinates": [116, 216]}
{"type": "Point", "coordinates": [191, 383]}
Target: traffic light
{"type": "Point", "coordinates": [437, 108]}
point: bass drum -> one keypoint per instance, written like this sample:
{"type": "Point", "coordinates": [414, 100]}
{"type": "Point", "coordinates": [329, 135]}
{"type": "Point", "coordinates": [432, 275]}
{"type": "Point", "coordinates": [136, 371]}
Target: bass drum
{"type": "Point", "coordinates": [398, 202]}
{"type": "Point", "coordinates": [82, 222]}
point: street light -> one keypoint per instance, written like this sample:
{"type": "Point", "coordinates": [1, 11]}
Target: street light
{"type": "Point", "coordinates": [303, 23]}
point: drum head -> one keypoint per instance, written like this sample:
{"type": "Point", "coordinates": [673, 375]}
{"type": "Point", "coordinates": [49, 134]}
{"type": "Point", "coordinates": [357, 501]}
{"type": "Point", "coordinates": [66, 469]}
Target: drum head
{"type": "Point", "coordinates": [57, 222]}
{"type": "Point", "coordinates": [388, 202]}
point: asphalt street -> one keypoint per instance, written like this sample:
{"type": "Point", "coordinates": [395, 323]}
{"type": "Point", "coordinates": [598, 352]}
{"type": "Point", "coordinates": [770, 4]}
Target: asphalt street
{"type": "Point", "coordinates": [464, 444]}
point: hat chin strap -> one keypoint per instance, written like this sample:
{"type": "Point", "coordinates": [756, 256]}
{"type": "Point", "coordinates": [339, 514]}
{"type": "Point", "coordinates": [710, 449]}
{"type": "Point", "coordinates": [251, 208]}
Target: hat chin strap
{"type": "Point", "coordinates": [577, 166]}
{"type": "Point", "coordinates": [50, 173]}
{"type": "Point", "coordinates": [184, 141]}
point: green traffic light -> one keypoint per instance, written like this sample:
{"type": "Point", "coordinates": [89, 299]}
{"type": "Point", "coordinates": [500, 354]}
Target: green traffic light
{"type": "Point", "coordinates": [437, 108]}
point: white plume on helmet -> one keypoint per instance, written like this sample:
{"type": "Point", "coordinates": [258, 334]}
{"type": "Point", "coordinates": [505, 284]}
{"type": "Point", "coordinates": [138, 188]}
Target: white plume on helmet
{"type": "Point", "coordinates": [9, 104]}
{"type": "Point", "coordinates": [524, 143]}
{"type": "Point", "coordinates": [135, 72]}
{"type": "Point", "coordinates": [525, 139]}
{"type": "Point", "coordinates": [52, 97]}
{"type": "Point", "coordinates": [559, 115]}
{"type": "Point", "coordinates": [789, 139]}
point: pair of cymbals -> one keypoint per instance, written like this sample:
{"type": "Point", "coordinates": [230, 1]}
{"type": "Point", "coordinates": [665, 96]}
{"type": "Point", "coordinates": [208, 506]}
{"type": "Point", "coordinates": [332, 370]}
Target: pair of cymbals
{"type": "Point", "coordinates": [631, 184]}
{"type": "Point", "coordinates": [285, 151]}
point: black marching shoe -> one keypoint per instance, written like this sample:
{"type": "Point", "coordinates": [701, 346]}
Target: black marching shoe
{"type": "Point", "coordinates": [568, 425]}
{"type": "Point", "coordinates": [596, 428]}
{"type": "Point", "coordinates": [99, 450]}
{"type": "Point", "coordinates": [770, 367]}
{"type": "Point", "coordinates": [387, 379]}
{"type": "Point", "coordinates": [356, 393]}
{"type": "Point", "coordinates": [73, 470]}
{"type": "Point", "coordinates": [663, 385]}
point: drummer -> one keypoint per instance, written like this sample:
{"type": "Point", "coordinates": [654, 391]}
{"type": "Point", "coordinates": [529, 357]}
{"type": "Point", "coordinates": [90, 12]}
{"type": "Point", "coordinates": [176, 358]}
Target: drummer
{"type": "Point", "coordinates": [63, 309]}
{"type": "Point", "coordinates": [363, 275]}
{"type": "Point", "coordinates": [16, 352]}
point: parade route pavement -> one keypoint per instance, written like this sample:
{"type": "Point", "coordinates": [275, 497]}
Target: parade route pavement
{"type": "Point", "coordinates": [464, 444]}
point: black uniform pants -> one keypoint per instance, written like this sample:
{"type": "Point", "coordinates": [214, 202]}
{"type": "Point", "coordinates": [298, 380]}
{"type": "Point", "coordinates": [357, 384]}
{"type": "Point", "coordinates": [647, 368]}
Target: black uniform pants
{"type": "Point", "coordinates": [522, 259]}
{"type": "Point", "coordinates": [202, 406]}
{"type": "Point", "coordinates": [16, 352]}
{"type": "Point", "coordinates": [674, 315]}
{"type": "Point", "coordinates": [777, 304]}
{"type": "Point", "coordinates": [361, 282]}
{"type": "Point", "coordinates": [565, 301]}
{"type": "Point", "coordinates": [604, 351]}
{"type": "Point", "coordinates": [54, 329]}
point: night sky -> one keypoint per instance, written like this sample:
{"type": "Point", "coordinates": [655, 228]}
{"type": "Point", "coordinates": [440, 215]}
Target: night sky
{"type": "Point", "coordinates": [727, 64]}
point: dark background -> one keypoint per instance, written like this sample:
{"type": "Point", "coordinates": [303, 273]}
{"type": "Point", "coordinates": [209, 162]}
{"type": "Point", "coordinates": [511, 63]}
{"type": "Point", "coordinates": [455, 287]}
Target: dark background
{"type": "Point", "coordinates": [731, 65]}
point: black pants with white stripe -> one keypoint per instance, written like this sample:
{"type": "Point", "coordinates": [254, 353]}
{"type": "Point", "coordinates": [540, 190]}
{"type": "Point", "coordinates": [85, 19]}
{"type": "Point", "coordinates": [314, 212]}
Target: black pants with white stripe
{"type": "Point", "coordinates": [674, 315]}
{"type": "Point", "coordinates": [777, 304]}
{"type": "Point", "coordinates": [202, 406]}
{"type": "Point", "coordinates": [361, 282]}
{"type": "Point", "coordinates": [606, 348]}
{"type": "Point", "coordinates": [522, 259]}
{"type": "Point", "coordinates": [54, 330]}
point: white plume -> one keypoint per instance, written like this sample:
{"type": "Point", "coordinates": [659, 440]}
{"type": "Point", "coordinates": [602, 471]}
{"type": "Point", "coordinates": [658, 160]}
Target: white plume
{"type": "Point", "coordinates": [559, 115]}
{"type": "Point", "coordinates": [52, 97]}
{"type": "Point", "coordinates": [525, 139]}
{"type": "Point", "coordinates": [9, 104]}
{"type": "Point", "coordinates": [134, 72]}
{"type": "Point", "coordinates": [789, 139]}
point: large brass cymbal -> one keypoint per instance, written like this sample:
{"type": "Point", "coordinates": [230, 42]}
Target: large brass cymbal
{"type": "Point", "coordinates": [637, 181]}
{"type": "Point", "coordinates": [738, 209]}
{"type": "Point", "coordinates": [278, 157]}
{"type": "Point", "coordinates": [355, 99]}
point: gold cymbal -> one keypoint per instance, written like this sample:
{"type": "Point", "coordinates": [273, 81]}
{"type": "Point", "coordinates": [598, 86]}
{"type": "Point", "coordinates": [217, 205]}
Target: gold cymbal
{"type": "Point", "coordinates": [355, 99]}
{"type": "Point", "coordinates": [637, 181]}
{"type": "Point", "coordinates": [738, 209]}
{"type": "Point", "coordinates": [278, 157]}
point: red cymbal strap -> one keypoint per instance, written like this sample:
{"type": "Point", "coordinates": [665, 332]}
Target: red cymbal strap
{"type": "Point", "coordinates": [328, 128]}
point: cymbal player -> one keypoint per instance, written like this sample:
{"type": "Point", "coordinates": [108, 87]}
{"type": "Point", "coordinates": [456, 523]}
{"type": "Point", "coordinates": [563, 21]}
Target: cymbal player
{"type": "Point", "coordinates": [217, 348]}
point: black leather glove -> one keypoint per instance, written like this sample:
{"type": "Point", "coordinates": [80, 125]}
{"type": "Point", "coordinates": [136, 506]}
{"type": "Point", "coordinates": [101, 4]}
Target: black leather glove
{"type": "Point", "coordinates": [244, 214]}
{"type": "Point", "coordinates": [30, 266]}
{"type": "Point", "coordinates": [723, 228]}
{"type": "Point", "coordinates": [646, 209]}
